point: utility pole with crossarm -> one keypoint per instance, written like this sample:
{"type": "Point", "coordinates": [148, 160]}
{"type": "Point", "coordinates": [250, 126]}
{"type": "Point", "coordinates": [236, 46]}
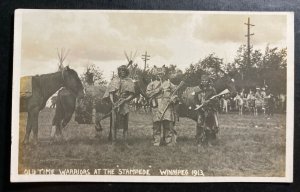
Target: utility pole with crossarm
{"type": "Point", "coordinates": [248, 38]}
{"type": "Point", "coordinates": [145, 58]}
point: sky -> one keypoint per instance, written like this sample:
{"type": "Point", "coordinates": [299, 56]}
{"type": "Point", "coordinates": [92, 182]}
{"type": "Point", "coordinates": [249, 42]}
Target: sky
{"type": "Point", "coordinates": [102, 37]}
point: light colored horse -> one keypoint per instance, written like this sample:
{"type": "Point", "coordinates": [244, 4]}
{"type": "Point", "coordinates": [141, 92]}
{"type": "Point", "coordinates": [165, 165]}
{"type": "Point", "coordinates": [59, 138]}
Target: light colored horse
{"type": "Point", "coordinates": [239, 103]}
{"type": "Point", "coordinates": [224, 104]}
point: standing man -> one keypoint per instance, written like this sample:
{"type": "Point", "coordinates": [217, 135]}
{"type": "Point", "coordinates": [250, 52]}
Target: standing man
{"type": "Point", "coordinates": [162, 100]}
{"type": "Point", "coordinates": [207, 123]}
{"type": "Point", "coordinates": [120, 91]}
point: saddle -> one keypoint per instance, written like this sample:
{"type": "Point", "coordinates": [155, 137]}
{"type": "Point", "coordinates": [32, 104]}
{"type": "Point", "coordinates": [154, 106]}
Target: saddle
{"type": "Point", "coordinates": [26, 87]}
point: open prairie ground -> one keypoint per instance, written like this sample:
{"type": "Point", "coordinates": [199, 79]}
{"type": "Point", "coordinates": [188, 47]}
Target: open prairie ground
{"type": "Point", "coordinates": [247, 146]}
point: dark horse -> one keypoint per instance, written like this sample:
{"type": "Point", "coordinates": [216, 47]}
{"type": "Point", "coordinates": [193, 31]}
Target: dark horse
{"type": "Point", "coordinates": [66, 106]}
{"type": "Point", "coordinates": [189, 100]}
{"type": "Point", "coordinates": [43, 86]}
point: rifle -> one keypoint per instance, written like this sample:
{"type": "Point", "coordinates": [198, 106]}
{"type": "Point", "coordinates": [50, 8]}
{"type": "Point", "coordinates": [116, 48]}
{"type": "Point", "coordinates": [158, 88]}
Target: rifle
{"type": "Point", "coordinates": [177, 88]}
{"type": "Point", "coordinates": [210, 99]}
{"type": "Point", "coordinates": [119, 103]}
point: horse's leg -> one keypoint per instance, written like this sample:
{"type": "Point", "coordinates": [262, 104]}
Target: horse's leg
{"type": "Point", "coordinates": [55, 124]}
{"type": "Point", "coordinates": [98, 126]}
{"type": "Point", "coordinates": [58, 134]}
{"type": "Point", "coordinates": [62, 124]}
{"type": "Point", "coordinates": [242, 107]}
{"type": "Point", "coordinates": [66, 119]}
{"type": "Point", "coordinates": [58, 117]}
{"type": "Point", "coordinates": [28, 128]}
{"type": "Point", "coordinates": [35, 124]}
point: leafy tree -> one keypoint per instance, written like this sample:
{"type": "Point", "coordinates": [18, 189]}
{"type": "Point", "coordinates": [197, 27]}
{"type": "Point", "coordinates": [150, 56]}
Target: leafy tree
{"type": "Point", "coordinates": [93, 76]}
{"type": "Point", "coordinates": [193, 74]}
{"type": "Point", "coordinates": [273, 70]}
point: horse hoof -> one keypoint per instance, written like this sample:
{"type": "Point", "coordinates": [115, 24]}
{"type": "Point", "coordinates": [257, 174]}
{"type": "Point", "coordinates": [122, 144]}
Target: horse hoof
{"type": "Point", "coordinates": [98, 128]}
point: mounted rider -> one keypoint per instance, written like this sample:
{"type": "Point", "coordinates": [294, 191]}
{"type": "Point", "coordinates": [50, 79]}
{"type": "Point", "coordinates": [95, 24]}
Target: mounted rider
{"type": "Point", "coordinates": [207, 122]}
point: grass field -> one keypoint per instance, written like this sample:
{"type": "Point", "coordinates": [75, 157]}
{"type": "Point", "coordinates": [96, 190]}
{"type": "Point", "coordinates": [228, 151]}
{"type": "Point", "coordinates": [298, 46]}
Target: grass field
{"type": "Point", "coordinates": [248, 146]}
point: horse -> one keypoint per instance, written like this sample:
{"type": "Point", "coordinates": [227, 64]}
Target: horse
{"type": "Point", "coordinates": [140, 103]}
{"type": "Point", "coordinates": [189, 101]}
{"type": "Point", "coordinates": [66, 105]}
{"type": "Point", "coordinates": [224, 104]}
{"type": "Point", "coordinates": [43, 86]}
{"type": "Point", "coordinates": [239, 103]}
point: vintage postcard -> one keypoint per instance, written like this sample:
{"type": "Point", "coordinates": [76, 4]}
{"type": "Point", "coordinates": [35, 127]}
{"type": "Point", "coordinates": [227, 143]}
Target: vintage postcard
{"type": "Point", "coordinates": [152, 96]}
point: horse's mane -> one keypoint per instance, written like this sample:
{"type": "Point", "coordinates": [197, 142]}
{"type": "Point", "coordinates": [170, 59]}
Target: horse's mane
{"type": "Point", "coordinates": [75, 75]}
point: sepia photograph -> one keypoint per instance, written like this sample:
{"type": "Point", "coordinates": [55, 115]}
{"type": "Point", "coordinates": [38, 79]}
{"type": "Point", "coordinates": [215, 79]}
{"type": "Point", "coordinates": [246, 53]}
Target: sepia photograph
{"type": "Point", "coordinates": [152, 96]}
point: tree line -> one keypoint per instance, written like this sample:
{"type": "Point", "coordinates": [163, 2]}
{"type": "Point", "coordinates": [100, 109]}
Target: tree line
{"type": "Point", "coordinates": [266, 68]}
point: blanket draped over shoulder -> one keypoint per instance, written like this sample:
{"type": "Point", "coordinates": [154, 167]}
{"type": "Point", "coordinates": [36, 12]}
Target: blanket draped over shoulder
{"type": "Point", "coordinates": [121, 88]}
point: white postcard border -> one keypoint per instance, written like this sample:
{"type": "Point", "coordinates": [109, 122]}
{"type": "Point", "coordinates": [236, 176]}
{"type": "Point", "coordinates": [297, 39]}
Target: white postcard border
{"type": "Point", "coordinates": [15, 177]}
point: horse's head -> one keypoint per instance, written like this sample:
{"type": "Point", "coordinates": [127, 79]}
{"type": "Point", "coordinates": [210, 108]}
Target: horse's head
{"type": "Point", "coordinates": [226, 82]}
{"type": "Point", "coordinates": [72, 82]}
{"type": "Point", "coordinates": [140, 87]}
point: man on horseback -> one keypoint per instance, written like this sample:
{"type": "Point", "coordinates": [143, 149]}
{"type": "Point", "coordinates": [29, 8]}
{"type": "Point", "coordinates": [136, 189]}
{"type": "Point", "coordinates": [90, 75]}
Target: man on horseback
{"type": "Point", "coordinates": [120, 91]}
{"type": "Point", "coordinates": [207, 122]}
{"type": "Point", "coordinates": [162, 100]}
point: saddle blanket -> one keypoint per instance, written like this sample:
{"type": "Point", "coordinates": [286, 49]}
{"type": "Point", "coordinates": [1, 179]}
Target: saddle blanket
{"type": "Point", "coordinates": [26, 86]}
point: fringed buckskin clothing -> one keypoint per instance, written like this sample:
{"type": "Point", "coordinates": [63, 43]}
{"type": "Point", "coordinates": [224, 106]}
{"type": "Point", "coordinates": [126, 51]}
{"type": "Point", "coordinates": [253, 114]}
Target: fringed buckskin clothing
{"type": "Point", "coordinates": [121, 89]}
{"type": "Point", "coordinates": [160, 94]}
{"type": "Point", "coordinates": [207, 123]}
